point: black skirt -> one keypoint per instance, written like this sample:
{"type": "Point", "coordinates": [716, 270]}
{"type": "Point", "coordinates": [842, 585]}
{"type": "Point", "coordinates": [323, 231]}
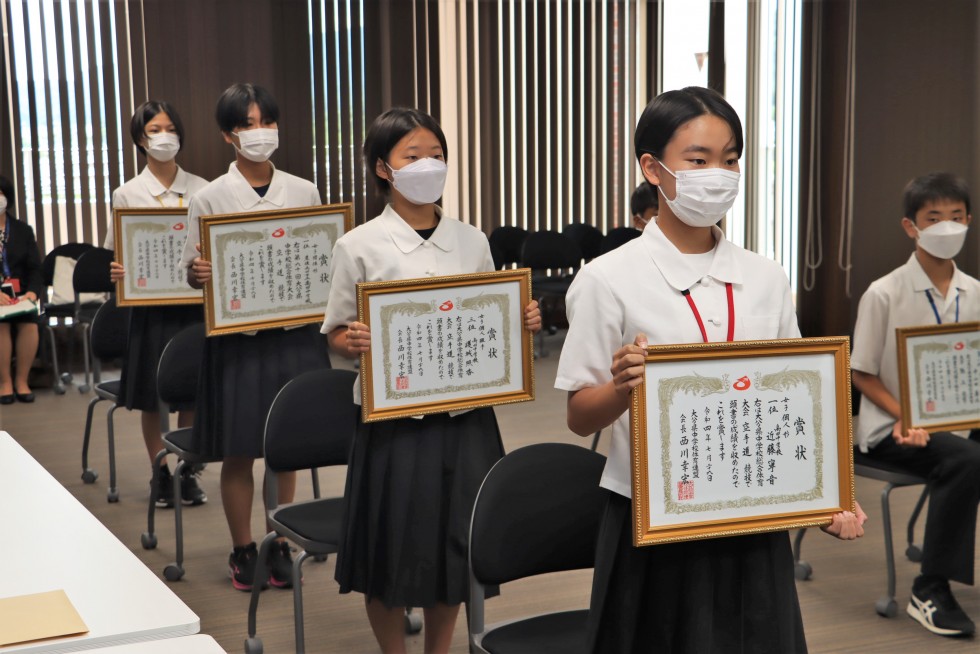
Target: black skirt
{"type": "Point", "coordinates": [150, 329]}
{"type": "Point", "coordinates": [411, 484]}
{"type": "Point", "coordinates": [720, 595]}
{"type": "Point", "coordinates": [240, 377]}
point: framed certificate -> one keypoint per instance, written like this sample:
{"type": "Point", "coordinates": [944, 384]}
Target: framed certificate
{"type": "Point", "coordinates": [445, 344]}
{"type": "Point", "coordinates": [939, 376]}
{"type": "Point", "coordinates": [149, 243]}
{"type": "Point", "coordinates": [270, 268]}
{"type": "Point", "coordinates": [740, 438]}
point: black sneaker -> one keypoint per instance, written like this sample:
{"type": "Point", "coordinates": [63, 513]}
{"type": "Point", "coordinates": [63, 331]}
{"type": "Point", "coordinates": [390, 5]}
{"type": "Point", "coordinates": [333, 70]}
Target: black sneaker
{"type": "Point", "coordinates": [165, 489]}
{"type": "Point", "coordinates": [280, 565]}
{"type": "Point", "coordinates": [241, 567]}
{"type": "Point", "coordinates": [934, 607]}
{"type": "Point", "coordinates": [191, 493]}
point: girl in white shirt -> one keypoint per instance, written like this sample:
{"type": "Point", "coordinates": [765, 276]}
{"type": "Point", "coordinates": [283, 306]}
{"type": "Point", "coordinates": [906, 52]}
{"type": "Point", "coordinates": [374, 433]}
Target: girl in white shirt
{"type": "Point", "coordinates": [411, 482]}
{"type": "Point", "coordinates": [158, 134]}
{"type": "Point", "coordinates": [242, 373]}
{"type": "Point", "coordinates": [717, 595]}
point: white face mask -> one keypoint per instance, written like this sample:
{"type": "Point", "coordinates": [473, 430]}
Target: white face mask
{"type": "Point", "coordinates": [944, 240]}
{"type": "Point", "coordinates": [163, 146]}
{"type": "Point", "coordinates": [703, 196]}
{"type": "Point", "coordinates": [3, 204]}
{"type": "Point", "coordinates": [420, 182]}
{"type": "Point", "coordinates": [258, 144]}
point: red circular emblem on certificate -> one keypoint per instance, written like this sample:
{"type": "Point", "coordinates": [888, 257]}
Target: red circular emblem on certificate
{"type": "Point", "coordinates": [446, 306]}
{"type": "Point", "coordinates": [179, 226]}
{"type": "Point", "coordinates": [279, 233]}
{"type": "Point", "coordinates": [959, 346]}
{"type": "Point", "coordinates": [742, 384]}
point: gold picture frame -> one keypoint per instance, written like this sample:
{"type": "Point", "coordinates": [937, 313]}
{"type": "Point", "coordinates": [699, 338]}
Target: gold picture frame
{"type": "Point", "coordinates": [152, 240]}
{"type": "Point", "coordinates": [494, 365]}
{"type": "Point", "coordinates": [284, 255]}
{"type": "Point", "coordinates": [792, 376]}
{"type": "Point", "coordinates": [923, 349]}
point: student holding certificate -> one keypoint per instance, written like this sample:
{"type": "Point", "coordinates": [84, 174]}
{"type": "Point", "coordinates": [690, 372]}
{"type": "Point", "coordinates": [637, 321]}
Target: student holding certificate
{"type": "Point", "coordinates": [23, 282]}
{"type": "Point", "coordinates": [243, 373]}
{"type": "Point", "coordinates": [158, 134]}
{"type": "Point", "coordinates": [411, 482]}
{"type": "Point", "coordinates": [679, 282]}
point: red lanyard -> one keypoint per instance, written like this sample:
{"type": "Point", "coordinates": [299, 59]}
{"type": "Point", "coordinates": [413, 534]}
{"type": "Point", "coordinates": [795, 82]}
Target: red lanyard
{"type": "Point", "coordinates": [731, 313]}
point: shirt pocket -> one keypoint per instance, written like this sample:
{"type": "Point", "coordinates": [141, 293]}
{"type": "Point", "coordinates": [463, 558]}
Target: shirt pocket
{"type": "Point", "coordinates": [758, 328]}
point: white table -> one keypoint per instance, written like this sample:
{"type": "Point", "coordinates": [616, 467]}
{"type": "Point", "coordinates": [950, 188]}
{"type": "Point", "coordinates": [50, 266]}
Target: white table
{"type": "Point", "coordinates": [199, 644]}
{"type": "Point", "coordinates": [49, 541]}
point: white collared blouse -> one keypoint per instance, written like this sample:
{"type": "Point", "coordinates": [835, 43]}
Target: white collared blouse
{"type": "Point", "coordinates": [146, 191]}
{"type": "Point", "coordinates": [231, 193]}
{"type": "Point", "coordinates": [899, 300]}
{"type": "Point", "coordinates": [637, 288]}
{"type": "Point", "coordinates": [387, 248]}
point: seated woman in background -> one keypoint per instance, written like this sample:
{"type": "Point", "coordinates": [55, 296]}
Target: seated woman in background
{"type": "Point", "coordinates": [21, 263]}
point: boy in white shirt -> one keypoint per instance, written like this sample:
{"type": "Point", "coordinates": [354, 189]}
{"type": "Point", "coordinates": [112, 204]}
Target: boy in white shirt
{"type": "Point", "coordinates": [928, 289]}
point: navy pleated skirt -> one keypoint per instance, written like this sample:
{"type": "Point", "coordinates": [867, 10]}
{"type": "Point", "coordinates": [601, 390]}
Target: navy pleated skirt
{"type": "Point", "coordinates": [150, 329]}
{"type": "Point", "coordinates": [241, 376]}
{"type": "Point", "coordinates": [715, 596]}
{"type": "Point", "coordinates": [411, 485]}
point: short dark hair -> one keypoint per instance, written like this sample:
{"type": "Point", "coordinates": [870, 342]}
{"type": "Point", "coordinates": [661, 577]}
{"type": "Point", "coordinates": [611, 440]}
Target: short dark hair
{"type": "Point", "coordinates": [147, 112]}
{"type": "Point", "coordinates": [7, 188]}
{"type": "Point", "coordinates": [669, 110]}
{"type": "Point", "coordinates": [643, 197]}
{"type": "Point", "coordinates": [391, 127]}
{"type": "Point", "coordinates": [932, 188]}
{"type": "Point", "coordinates": [232, 109]}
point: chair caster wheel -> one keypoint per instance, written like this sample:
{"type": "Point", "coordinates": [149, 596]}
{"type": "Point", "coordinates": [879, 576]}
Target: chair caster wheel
{"type": "Point", "coordinates": [413, 623]}
{"type": "Point", "coordinates": [802, 571]}
{"type": "Point", "coordinates": [83, 389]}
{"type": "Point", "coordinates": [914, 553]}
{"type": "Point", "coordinates": [112, 496]}
{"type": "Point", "coordinates": [253, 645]}
{"type": "Point", "coordinates": [59, 390]}
{"type": "Point", "coordinates": [173, 572]}
{"type": "Point", "coordinates": [89, 476]}
{"type": "Point", "coordinates": [886, 607]}
{"type": "Point", "coordinates": [66, 377]}
{"type": "Point", "coordinates": [148, 540]}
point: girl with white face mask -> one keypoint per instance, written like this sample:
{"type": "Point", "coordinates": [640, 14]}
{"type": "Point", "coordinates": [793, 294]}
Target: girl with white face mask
{"type": "Point", "coordinates": [158, 134]}
{"type": "Point", "coordinates": [244, 372]}
{"type": "Point", "coordinates": [679, 282]}
{"type": "Point", "coordinates": [401, 467]}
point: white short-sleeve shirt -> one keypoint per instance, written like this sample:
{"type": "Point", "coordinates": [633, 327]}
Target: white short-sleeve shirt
{"type": "Point", "coordinates": [387, 248]}
{"type": "Point", "coordinates": [638, 288]}
{"type": "Point", "coordinates": [899, 300]}
{"type": "Point", "coordinates": [231, 193]}
{"type": "Point", "coordinates": [146, 191]}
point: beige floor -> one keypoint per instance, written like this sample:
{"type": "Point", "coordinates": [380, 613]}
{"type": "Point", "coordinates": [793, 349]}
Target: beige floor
{"type": "Point", "coordinates": [838, 603]}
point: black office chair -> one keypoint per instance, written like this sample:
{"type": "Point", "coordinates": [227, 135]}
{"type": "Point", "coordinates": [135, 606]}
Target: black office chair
{"type": "Point", "coordinates": [553, 259]}
{"type": "Point", "coordinates": [177, 377]}
{"type": "Point", "coordinates": [109, 336]}
{"type": "Point", "coordinates": [538, 511]}
{"type": "Point", "coordinates": [91, 276]}
{"type": "Point", "coordinates": [616, 237]}
{"type": "Point", "coordinates": [894, 477]}
{"type": "Point", "coordinates": [311, 424]}
{"type": "Point", "coordinates": [59, 312]}
{"type": "Point", "coordinates": [506, 243]}
{"type": "Point", "coordinates": [586, 237]}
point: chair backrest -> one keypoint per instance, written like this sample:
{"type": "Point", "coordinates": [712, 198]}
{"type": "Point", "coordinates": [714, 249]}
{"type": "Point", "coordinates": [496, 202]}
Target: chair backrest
{"type": "Point", "coordinates": [92, 272]}
{"type": "Point", "coordinates": [538, 511]}
{"type": "Point", "coordinates": [587, 237]}
{"type": "Point", "coordinates": [550, 250]}
{"type": "Point", "coordinates": [180, 365]}
{"type": "Point", "coordinates": [71, 250]}
{"type": "Point", "coordinates": [110, 331]}
{"type": "Point", "coordinates": [506, 243]}
{"type": "Point", "coordinates": [616, 237]}
{"type": "Point", "coordinates": [312, 421]}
